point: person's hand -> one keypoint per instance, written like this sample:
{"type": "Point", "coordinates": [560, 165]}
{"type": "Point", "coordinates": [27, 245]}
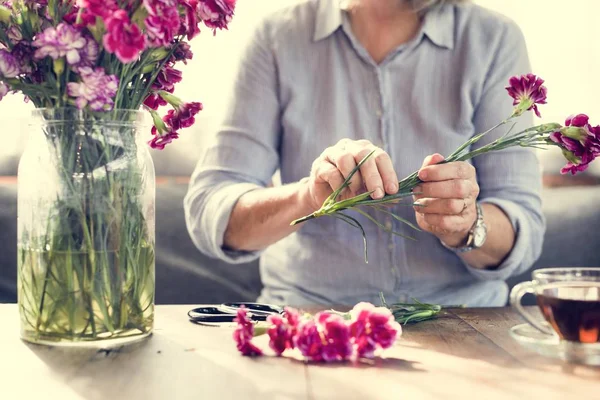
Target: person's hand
{"type": "Point", "coordinates": [447, 199]}
{"type": "Point", "coordinates": [330, 169]}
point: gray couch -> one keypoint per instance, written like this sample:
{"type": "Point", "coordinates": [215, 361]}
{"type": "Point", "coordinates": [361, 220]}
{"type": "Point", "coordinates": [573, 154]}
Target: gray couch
{"type": "Point", "coordinates": [184, 275]}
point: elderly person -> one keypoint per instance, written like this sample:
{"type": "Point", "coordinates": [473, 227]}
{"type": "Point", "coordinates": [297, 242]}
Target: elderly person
{"type": "Point", "coordinates": [322, 84]}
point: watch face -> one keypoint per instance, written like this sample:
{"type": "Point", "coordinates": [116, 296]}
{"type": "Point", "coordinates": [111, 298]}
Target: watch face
{"type": "Point", "coordinates": [479, 235]}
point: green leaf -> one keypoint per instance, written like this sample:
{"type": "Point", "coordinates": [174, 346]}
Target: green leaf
{"type": "Point", "coordinates": [382, 298]}
{"type": "Point", "coordinates": [379, 224]}
{"type": "Point", "coordinates": [354, 222]}
{"type": "Point", "coordinates": [397, 218]}
{"type": "Point", "coordinates": [333, 196]}
{"type": "Point", "coordinates": [353, 201]}
{"type": "Point", "coordinates": [389, 199]}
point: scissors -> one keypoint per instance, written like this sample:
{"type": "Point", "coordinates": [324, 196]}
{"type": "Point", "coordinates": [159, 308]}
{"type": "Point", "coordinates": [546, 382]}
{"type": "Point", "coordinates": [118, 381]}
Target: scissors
{"type": "Point", "coordinates": [225, 313]}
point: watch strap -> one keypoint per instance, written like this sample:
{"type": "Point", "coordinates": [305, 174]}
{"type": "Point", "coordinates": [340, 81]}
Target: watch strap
{"type": "Point", "coordinates": [470, 237]}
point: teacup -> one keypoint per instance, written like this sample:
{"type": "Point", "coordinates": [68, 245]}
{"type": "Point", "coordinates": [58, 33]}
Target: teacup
{"type": "Point", "coordinates": [569, 299]}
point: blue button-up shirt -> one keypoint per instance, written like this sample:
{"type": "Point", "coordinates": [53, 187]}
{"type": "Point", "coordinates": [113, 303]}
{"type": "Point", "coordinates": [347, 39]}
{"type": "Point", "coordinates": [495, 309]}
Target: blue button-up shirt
{"type": "Point", "coordinates": [304, 83]}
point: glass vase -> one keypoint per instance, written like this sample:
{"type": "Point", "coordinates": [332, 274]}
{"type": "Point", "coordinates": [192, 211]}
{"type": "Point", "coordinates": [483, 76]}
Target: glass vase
{"type": "Point", "coordinates": [86, 201]}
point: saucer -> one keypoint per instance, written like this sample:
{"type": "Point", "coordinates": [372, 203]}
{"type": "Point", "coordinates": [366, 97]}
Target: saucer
{"type": "Point", "coordinates": [552, 346]}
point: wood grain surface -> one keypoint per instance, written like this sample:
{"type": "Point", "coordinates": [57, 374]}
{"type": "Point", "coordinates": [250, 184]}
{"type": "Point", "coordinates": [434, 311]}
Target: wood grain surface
{"type": "Point", "coordinates": [464, 354]}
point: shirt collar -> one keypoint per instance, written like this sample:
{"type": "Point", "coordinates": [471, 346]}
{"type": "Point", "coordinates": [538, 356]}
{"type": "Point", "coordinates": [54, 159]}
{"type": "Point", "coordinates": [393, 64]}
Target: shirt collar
{"type": "Point", "coordinates": [329, 18]}
{"type": "Point", "coordinates": [438, 24]}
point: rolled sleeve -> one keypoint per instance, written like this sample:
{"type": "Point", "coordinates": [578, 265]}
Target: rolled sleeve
{"type": "Point", "coordinates": [527, 246]}
{"type": "Point", "coordinates": [244, 154]}
{"type": "Point", "coordinates": [510, 178]}
{"type": "Point", "coordinates": [209, 212]}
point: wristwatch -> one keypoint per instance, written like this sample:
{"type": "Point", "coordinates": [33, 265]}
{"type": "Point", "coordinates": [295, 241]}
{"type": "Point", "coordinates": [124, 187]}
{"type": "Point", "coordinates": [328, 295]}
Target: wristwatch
{"type": "Point", "coordinates": [476, 237]}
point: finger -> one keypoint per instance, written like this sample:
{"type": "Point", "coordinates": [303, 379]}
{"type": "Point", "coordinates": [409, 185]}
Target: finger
{"type": "Point", "coordinates": [441, 206]}
{"type": "Point", "coordinates": [387, 172]}
{"type": "Point", "coordinates": [453, 189]}
{"type": "Point", "coordinates": [329, 173]}
{"type": "Point", "coordinates": [443, 172]}
{"type": "Point", "coordinates": [432, 160]}
{"type": "Point", "coordinates": [387, 179]}
{"type": "Point", "coordinates": [370, 172]}
{"type": "Point", "coordinates": [344, 160]}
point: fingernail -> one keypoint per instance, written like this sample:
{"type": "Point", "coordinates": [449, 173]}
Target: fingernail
{"type": "Point", "coordinates": [378, 193]}
{"type": "Point", "coordinates": [423, 174]}
{"type": "Point", "coordinates": [392, 188]}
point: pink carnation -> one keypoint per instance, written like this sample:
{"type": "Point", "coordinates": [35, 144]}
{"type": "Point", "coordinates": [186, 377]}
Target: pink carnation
{"type": "Point", "coordinates": [167, 78]}
{"type": "Point", "coordinates": [279, 334]}
{"type": "Point", "coordinates": [184, 115]}
{"type": "Point", "coordinates": [216, 14]}
{"type": "Point", "coordinates": [159, 142]}
{"type": "Point", "coordinates": [527, 91]}
{"type": "Point", "coordinates": [243, 334]}
{"type": "Point", "coordinates": [96, 89]}
{"type": "Point", "coordinates": [123, 38]}
{"type": "Point", "coordinates": [9, 65]}
{"type": "Point", "coordinates": [324, 338]}
{"type": "Point", "coordinates": [162, 23]}
{"type": "Point", "coordinates": [175, 120]}
{"type": "Point", "coordinates": [24, 54]}
{"type": "Point", "coordinates": [88, 54]}
{"type": "Point", "coordinates": [579, 141]}
{"type": "Point", "coordinates": [98, 8]}
{"type": "Point", "coordinates": [79, 18]}
{"type": "Point", "coordinates": [189, 25]}
{"type": "Point", "coordinates": [282, 330]}
{"type": "Point", "coordinates": [182, 53]}
{"type": "Point", "coordinates": [154, 101]}
{"type": "Point", "coordinates": [372, 327]}
{"type": "Point", "coordinates": [62, 41]}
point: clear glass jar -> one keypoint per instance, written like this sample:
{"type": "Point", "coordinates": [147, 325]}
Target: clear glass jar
{"type": "Point", "coordinates": [86, 229]}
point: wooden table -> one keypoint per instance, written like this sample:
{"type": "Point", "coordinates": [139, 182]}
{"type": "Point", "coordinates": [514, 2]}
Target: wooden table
{"type": "Point", "coordinates": [465, 354]}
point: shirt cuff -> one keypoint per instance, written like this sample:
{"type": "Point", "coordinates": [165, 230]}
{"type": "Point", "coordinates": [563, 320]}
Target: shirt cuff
{"type": "Point", "coordinates": [217, 215]}
{"type": "Point", "coordinates": [515, 257]}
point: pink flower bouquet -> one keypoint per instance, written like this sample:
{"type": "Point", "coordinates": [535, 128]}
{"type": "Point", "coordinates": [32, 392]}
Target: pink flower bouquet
{"type": "Point", "coordinates": [101, 55]}
{"type": "Point", "coordinates": [86, 182]}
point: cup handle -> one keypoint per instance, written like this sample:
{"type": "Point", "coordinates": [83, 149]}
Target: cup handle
{"type": "Point", "coordinates": [516, 294]}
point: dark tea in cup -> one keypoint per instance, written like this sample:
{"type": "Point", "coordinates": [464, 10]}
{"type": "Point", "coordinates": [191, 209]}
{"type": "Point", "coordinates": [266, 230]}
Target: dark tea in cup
{"type": "Point", "coordinates": [572, 309]}
{"type": "Point", "coordinates": [569, 299]}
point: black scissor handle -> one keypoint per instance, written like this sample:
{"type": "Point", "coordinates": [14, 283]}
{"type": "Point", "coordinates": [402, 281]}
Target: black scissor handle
{"type": "Point", "coordinates": [214, 319]}
{"type": "Point", "coordinates": [223, 319]}
{"type": "Point", "coordinates": [255, 309]}
{"type": "Point", "coordinates": [226, 313]}
{"type": "Point", "coordinates": [207, 311]}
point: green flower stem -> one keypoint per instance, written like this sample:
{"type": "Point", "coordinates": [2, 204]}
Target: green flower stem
{"type": "Point", "coordinates": [405, 313]}
{"type": "Point", "coordinates": [414, 312]}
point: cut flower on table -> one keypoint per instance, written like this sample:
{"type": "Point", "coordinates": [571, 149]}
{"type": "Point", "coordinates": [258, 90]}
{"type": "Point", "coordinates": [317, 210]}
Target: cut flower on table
{"type": "Point", "coordinates": [324, 337]}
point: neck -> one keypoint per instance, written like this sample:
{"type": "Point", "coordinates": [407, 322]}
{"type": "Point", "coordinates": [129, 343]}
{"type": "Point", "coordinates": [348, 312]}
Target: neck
{"type": "Point", "coordinates": [383, 9]}
{"type": "Point", "coordinates": [383, 25]}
